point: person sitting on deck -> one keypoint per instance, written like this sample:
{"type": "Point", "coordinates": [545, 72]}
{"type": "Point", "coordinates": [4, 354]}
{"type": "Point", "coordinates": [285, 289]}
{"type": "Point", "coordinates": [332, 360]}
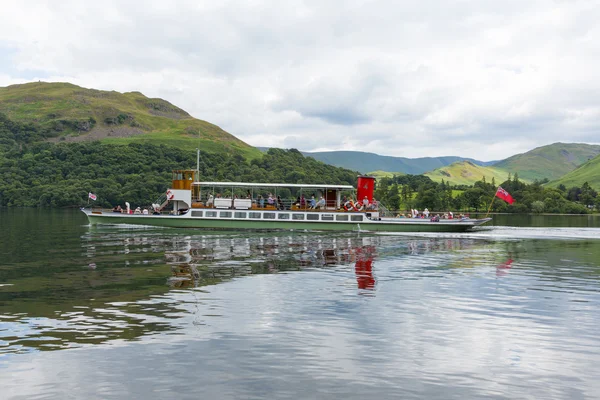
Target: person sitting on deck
{"type": "Point", "coordinates": [138, 211]}
{"type": "Point", "coordinates": [261, 201]}
{"type": "Point", "coordinates": [280, 205]}
{"type": "Point", "coordinates": [145, 211]}
{"type": "Point", "coordinates": [302, 202]}
{"type": "Point", "coordinates": [271, 200]}
{"type": "Point", "coordinates": [365, 203]}
{"type": "Point", "coordinates": [374, 204]}
{"type": "Point", "coordinates": [210, 201]}
{"type": "Point", "coordinates": [313, 202]}
{"type": "Point", "coordinates": [117, 209]}
{"type": "Point", "coordinates": [321, 203]}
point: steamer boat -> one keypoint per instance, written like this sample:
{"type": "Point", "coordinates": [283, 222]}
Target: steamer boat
{"type": "Point", "coordinates": [238, 206]}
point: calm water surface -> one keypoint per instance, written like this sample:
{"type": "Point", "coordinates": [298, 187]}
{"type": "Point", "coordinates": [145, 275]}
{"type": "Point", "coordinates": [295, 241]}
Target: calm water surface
{"type": "Point", "coordinates": [507, 311]}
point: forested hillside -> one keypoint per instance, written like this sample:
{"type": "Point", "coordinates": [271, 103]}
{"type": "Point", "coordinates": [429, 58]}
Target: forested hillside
{"type": "Point", "coordinates": [34, 173]}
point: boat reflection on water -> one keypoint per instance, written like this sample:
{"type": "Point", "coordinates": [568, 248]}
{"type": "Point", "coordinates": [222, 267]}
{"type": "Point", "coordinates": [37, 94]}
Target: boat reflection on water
{"type": "Point", "coordinates": [205, 262]}
{"type": "Point", "coordinates": [364, 268]}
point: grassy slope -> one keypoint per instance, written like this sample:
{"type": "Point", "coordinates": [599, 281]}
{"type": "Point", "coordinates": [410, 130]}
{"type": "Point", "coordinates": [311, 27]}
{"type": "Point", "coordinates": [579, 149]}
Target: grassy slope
{"type": "Point", "coordinates": [588, 172]}
{"type": "Point", "coordinates": [552, 161]}
{"type": "Point", "coordinates": [467, 173]}
{"type": "Point", "coordinates": [384, 174]}
{"type": "Point", "coordinates": [156, 120]}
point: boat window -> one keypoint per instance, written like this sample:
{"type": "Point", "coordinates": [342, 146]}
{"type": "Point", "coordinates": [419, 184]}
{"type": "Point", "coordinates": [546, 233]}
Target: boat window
{"type": "Point", "coordinates": [298, 216]}
{"type": "Point", "coordinates": [238, 214]}
{"type": "Point", "coordinates": [356, 218]}
{"type": "Point", "coordinates": [327, 217]}
{"type": "Point", "coordinates": [225, 214]}
{"type": "Point", "coordinates": [269, 215]}
{"type": "Point", "coordinates": [283, 216]}
{"type": "Point", "coordinates": [211, 214]}
{"type": "Point", "coordinates": [341, 218]}
{"type": "Point", "coordinates": [255, 215]}
{"type": "Point", "coordinates": [312, 217]}
{"type": "Point", "coordinates": [196, 213]}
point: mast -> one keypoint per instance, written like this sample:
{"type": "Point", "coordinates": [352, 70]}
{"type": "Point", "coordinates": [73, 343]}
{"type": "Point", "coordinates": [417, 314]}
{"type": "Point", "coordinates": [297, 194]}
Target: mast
{"type": "Point", "coordinates": [197, 164]}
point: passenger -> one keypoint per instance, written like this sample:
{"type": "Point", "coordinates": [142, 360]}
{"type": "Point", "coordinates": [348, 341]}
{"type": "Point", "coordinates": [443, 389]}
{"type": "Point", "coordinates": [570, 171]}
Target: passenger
{"type": "Point", "coordinates": [426, 212]}
{"type": "Point", "coordinates": [365, 203]}
{"type": "Point", "coordinates": [302, 202]}
{"type": "Point", "coordinates": [138, 211]}
{"type": "Point", "coordinates": [450, 215]}
{"type": "Point", "coordinates": [117, 209]}
{"type": "Point", "coordinates": [320, 204]}
{"type": "Point", "coordinates": [313, 202]}
{"type": "Point", "coordinates": [280, 203]}
{"type": "Point", "coordinates": [210, 201]}
{"type": "Point", "coordinates": [374, 205]}
{"type": "Point", "coordinates": [271, 200]}
{"type": "Point", "coordinates": [145, 211]}
{"type": "Point", "coordinates": [261, 201]}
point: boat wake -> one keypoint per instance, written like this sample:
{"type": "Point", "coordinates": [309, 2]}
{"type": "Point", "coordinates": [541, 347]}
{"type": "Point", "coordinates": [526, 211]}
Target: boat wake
{"type": "Point", "coordinates": [514, 233]}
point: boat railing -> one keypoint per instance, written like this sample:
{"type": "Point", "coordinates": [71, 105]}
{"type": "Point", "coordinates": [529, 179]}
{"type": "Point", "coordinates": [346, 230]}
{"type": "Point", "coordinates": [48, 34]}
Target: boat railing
{"type": "Point", "coordinates": [384, 211]}
{"type": "Point", "coordinates": [285, 205]}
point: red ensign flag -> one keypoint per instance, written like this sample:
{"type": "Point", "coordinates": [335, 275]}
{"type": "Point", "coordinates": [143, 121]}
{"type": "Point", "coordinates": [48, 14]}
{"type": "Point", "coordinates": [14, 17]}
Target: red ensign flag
{"type": "Point", "coordinates": [503, 194]}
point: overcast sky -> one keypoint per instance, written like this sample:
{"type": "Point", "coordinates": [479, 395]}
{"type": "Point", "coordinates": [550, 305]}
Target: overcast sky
{"type": "Point", "coordinates": [481, 79]}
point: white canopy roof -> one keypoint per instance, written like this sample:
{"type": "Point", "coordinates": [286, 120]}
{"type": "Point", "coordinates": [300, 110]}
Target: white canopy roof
{"type": "Point", "coordinates": [264, 185]}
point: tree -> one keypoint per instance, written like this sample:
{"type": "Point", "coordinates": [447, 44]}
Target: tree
{"type": "Point", "coordinates": [537, 206]}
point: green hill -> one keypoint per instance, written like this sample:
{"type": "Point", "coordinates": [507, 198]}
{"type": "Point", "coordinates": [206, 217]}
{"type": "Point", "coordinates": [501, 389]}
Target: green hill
{"type": "Point", "coordinates": [71, 113]}
{"type": "Point", "coordinates": [365, 162]}
{"type": "Point", "coordinates": [551, 161]}
{"type": "Point", "coordinates": [467, 173]}
{"type": "Point", "coordinates": [588, 172]}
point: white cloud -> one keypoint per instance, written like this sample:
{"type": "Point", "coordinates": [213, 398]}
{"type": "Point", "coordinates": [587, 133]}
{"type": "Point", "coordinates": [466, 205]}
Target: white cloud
{"type": "Point", "coordinates": [479, 79]}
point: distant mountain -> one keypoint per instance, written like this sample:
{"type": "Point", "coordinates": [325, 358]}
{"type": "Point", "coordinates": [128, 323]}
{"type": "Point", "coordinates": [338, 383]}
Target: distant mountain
{"type": "Point", "coordinates": [588, 172]}
{"type": "Point", "coordinates": [71, 113]}
{"type": "Point", "coordinates": [366, 162]}
{"type": "Point", "coordinates": [551, 161]}
{"type": "Point", "coordinates": [467, 173]}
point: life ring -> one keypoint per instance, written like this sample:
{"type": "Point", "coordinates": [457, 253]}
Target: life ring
{"type": "Point", "coordinates": [170, 195]}
{"type": "Point", "coordinates": [353, 204]}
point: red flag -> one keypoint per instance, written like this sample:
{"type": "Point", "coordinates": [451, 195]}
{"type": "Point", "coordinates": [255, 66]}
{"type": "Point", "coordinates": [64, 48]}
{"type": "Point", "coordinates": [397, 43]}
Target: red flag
{"type": "Point", "coordinates": [504, 195]}
{"type": "Point", "coordinates": [91, 196]}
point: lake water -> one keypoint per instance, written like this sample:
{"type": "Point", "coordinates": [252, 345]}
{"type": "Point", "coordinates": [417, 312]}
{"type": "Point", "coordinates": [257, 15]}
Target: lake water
{"type": "Point", "coordinates": [507, 311]}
